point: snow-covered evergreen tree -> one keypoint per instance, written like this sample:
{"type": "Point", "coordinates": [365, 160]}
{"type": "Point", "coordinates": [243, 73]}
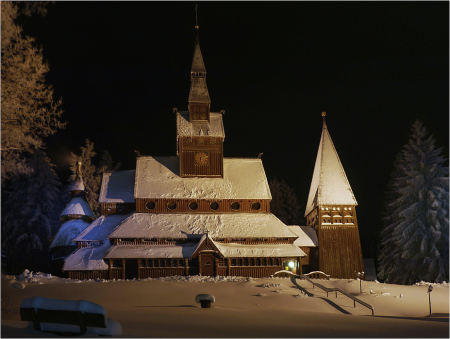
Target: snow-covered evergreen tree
{"type": "Point", "coordinates": [416, 231]}
{"type": "Point", "coordinates": [28, 111]}
{"type": "Point", "coordinates": [31, 204]}
{"type": "Point", "coordinates": [284, 204]}
{"type": "Point", "coordinates": [92, 174]}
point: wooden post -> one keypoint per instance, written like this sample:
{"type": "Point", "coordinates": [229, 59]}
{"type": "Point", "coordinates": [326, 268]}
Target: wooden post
{"type": "Point", "coordinates": [229, 266]}
{"type": "Point", "coordinates": [123, 269]}
{"type": "Point", "coordinates": [199, 264]}
{"type": "Point", "coordinates": [109, 267]}
{"type": "Point", "coordinates": [186, 266]}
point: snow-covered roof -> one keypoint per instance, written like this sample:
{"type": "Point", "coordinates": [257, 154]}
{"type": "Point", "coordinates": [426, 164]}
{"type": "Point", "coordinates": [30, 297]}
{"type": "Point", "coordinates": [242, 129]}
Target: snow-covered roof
{"type": "Point", "coordinates": [101, 227]}
{"type": "Point", "coordinates": [78, 184]}
{"type": "Point", "coordinates": [184, 225]}
{"type": "Point", "coordinates": [86, 259]}
{"type": "Point", "coordinates": [233, 250]}
{"type": "Point", "coordinates": [158, 177]}
{"type": "Point", "coordinates": [68, 231]}
{"type": "Point", "coordinates": [306, 236]}
{"type": "Point", "coordinates": [230, 250]}
{"type": "Point", "coordinates": [152, 251]}
{"type": "Point", "coordinates": [117, 187]}
{"type": "Point", "coordinates": [78, 206]}
{"type": "Point", "coordinates": [329, 185]}
{"type": "Point", "coordinates": [213, 129]}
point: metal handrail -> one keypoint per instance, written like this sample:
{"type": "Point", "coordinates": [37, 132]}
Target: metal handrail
{"type": "Point", "coordinates": [329, 289]}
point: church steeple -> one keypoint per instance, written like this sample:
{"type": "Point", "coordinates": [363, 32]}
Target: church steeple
{"type": "Point", "coordinates": [329, 184]}
{"type": "Point", "coordinates": [199, 101]}
{"type": "Point", "coordinates": [331, 212]}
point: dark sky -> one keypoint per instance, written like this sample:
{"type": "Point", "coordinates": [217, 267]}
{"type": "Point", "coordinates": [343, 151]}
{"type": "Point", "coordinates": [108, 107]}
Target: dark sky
{"type": "Point", "coordinates": [374, 67]}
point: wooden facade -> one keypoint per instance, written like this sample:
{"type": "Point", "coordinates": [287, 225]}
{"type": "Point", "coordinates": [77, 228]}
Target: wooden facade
{"type": "Point", "coordinates": [339, 250]}
{"type": "Point", "coordinates": [201, 156]}
{"type": "Point", "coordinates": [202, 205]}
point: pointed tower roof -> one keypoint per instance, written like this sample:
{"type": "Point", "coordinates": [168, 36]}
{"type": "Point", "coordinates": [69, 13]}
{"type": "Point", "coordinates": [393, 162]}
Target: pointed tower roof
{"type": "Point", "coordinates": [199, 90]}
{"type": "Point", "coordinates": [329, 185]}
{"type": "Point", "coordinates": [198, 66]}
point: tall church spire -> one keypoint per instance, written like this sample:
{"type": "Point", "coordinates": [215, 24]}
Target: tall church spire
{"type": "Point", "coordinates": [199, 101]}
{"type": "Point", "coordinates": [329, 185]}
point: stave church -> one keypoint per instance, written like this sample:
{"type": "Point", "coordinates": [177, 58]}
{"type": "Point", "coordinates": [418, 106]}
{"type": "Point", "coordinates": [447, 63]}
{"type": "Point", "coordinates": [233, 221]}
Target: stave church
{"type": "Point", "coordinates": [200, 213]}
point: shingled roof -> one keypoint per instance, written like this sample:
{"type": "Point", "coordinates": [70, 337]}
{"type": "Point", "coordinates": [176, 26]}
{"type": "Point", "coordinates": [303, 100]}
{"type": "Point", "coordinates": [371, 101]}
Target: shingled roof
{"type": "Point", "coordinates": [329, 185]}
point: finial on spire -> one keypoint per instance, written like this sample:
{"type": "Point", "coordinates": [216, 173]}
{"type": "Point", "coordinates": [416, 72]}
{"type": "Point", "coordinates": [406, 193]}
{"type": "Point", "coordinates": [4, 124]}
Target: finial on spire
{"type": "Point", "coordinates": [196, 22]}
{"type": "Point", "coordinates": [324, 113]}
{"type": "Point", "coordinates": [78, 167]}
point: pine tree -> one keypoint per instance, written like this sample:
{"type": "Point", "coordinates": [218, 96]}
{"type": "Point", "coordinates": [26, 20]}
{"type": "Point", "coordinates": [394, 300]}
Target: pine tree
{"type": "Point", "coordinates": [31, 204]}
{"type": "Point", "coordinates": [415, 236]}
{"type": "Point", "coordinates": [284, 204]}
{"type": "Point", "coordinates": [92, 174]}
{"type": "Point", "coordinates": [28, 111]}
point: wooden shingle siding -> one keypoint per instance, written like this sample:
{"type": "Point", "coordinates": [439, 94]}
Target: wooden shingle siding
{"type": "Point", "coordinates": [340, 251]}
{"type": "Point", "coordinates": [203, 206]}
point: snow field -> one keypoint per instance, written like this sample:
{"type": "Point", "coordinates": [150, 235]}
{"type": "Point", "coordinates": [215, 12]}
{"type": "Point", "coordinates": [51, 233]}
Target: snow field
{"type": "Point", "coordinates": [272, 307]}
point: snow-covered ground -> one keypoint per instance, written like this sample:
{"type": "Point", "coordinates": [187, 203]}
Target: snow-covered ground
{"type": "Point", "coordinates": [272, 307]}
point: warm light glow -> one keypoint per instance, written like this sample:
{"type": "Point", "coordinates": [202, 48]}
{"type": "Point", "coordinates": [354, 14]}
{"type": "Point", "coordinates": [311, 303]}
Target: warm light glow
{"type": "Point", "coordinates": [291, 264]}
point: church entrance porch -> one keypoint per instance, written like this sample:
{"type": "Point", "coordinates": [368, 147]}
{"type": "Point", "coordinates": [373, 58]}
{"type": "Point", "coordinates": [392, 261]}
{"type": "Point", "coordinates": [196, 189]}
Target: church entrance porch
{"type": "Point", "coordinates": [207, 265]}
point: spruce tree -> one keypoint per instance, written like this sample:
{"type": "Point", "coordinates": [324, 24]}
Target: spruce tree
{"type": "Point", "coordinates": [31, 203]}
{"type": "Point", "coordinates": [29, 112]}
{"type": "Point", "coordinates": [415, 236]}
{"type": "Point", "coordinates": [284, 204]}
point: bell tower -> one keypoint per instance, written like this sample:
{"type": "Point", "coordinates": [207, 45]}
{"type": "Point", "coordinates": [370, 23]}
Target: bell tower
{"type": "Point", "coordinates": [200, 133]}
{"type": "Point", "coordinates": [331, 212]}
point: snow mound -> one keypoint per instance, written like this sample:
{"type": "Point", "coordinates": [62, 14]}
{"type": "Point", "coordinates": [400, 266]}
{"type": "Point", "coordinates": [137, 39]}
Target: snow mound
{"type": "Point", "coordinates": [29, 277]}
{"type": "Point", "coordinates": [424, 283]}
{"type": "Point", "coordinates": [198, 278]}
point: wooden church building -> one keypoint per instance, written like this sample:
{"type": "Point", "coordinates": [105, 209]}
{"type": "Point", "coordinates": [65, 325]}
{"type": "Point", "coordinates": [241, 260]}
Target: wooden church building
{"type": "Point", "coordinates": [200, 213]}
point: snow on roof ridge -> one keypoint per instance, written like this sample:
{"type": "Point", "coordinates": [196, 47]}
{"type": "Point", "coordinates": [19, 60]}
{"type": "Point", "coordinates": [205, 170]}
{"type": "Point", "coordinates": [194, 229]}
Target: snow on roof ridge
{"type": "Point", "coordinates": [329, 184]}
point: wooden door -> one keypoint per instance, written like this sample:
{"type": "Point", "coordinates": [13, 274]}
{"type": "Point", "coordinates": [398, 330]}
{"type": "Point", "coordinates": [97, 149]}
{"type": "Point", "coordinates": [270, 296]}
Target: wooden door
{"type": "Point", "coordinates": [208, 265]}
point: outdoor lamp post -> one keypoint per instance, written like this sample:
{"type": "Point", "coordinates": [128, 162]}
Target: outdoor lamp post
{"type": "Point", "coordinates": [430, 288]}
{"type": "Point", "coordinates": [360, 276]}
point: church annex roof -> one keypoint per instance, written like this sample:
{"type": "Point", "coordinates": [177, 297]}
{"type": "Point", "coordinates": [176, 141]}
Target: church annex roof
{"type": "Point", "coordinates": [101, 228]}
{"type": "Point", "coordinates": [307, 236]}
{"type": "Point", "coordinates": [187, 225]}
{"type": "Point", "coordinates": [329, 185]}
{"type": "Point", "coordinates": [117, 187]}
{"type": "Point", "coordinates": [189, 129]}
{"type": "Point", "coordinates": [68, 231]}
{"type": "Point", "coordinates": [158, 177]}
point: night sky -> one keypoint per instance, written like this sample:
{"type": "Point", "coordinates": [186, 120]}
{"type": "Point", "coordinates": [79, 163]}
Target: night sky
{"type": "Point", "coordinates": [374, 67]}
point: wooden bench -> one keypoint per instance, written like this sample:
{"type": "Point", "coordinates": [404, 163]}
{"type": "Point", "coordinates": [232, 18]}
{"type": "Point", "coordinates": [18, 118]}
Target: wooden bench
{"type": "Point", "coordinates": [68, 312]}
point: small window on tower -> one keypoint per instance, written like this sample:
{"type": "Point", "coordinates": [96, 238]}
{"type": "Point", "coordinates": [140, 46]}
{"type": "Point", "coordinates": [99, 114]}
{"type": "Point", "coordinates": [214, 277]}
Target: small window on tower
{"type": "Point", "coordinates": [214, 206]}
{"type": "Point", "coordinates": [150, 205]}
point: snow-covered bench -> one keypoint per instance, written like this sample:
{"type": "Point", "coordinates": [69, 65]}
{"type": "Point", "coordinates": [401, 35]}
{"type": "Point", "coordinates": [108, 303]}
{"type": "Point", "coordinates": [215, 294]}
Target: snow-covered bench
{"type": "Point", "coordinates": [45, 313]}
